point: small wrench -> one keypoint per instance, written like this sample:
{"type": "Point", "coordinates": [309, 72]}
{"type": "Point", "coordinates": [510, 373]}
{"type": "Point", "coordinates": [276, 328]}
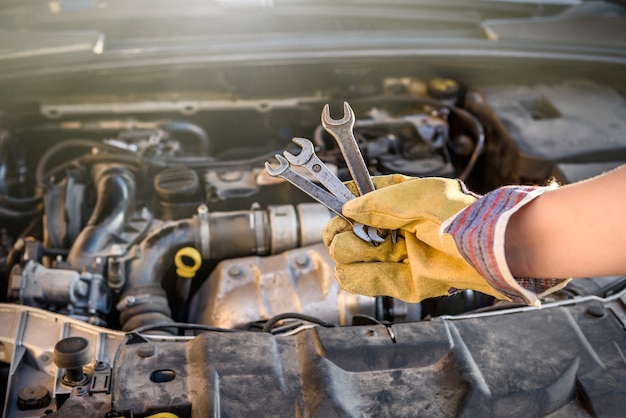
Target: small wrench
{"type": "Point", "coordinates": [308, 159]}
{"type": "Point", "coordinates": [285, 171]}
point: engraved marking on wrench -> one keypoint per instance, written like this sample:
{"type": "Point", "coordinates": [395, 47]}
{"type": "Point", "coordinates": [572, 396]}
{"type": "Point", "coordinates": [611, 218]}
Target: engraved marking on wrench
{"type": "Point", "coordinates": [285, 171]}
{"type": "Point", "coordinates": [309, 160]}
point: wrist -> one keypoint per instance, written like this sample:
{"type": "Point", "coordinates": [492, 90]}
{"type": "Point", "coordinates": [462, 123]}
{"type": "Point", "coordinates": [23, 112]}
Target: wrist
{"type": "Point", "coordinates": [480, 231]}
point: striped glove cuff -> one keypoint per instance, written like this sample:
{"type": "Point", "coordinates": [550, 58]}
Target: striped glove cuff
{"type": "Point", "coordinates": [478, 232]}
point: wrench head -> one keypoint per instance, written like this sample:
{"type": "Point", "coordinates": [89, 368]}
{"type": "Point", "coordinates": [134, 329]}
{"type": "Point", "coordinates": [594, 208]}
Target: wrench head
{"type": "Point", "coordinates": [346, 121]}
{"type": "Point", "coordinates": [280, 169]}
{"type": "Point", "coordinates": [374, 236]}
{"type": "Point", "coordinates": [305, 155]}
{"type": "Point", "coordinates": [361, 232]}
{"type": "Point", "coordinates": [367, 233]}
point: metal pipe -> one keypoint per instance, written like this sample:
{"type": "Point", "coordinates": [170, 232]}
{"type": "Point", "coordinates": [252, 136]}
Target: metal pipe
{"type": "Point", "coordinates": [217, 235]}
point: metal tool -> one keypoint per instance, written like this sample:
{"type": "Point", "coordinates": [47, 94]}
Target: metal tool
{"type": "Point", "coordinates": [285, 171]}
{"type": "Point", "coordinates": [341, 130]}
{"type": "Point", "coordinates": [309, 160]}
{"type": "Point", "coordinates": [336, 193]}
{"type": "Point", "coordinates": [322, 196]}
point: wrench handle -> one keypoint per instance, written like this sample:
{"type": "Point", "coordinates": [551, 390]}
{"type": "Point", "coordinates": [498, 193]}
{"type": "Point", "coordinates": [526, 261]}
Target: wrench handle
{"type": "Point", "coordinates": [354, 159]}
{"type": "Point", "coordinates": [317, 193]}
{"type": "Point", "coordinates": [328, 179]}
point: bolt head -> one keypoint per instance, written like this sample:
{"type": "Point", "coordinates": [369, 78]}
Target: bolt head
{"type": "Point", "coordinates": [302, 260]}
{"type": "Point", "coordinates": [235, 271]}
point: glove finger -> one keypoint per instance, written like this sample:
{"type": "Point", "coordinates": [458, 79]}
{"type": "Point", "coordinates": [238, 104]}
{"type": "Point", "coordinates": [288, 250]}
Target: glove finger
{"type": "Point", "coordinates": [398, 205]}
{"type": "Point", "coordinates": [387, 279]}
{"type": "Point", "coordinates": [333, 227]}
{"type": "Point", "coordinates": [347, 248]}
{"type": "Point", "coordinates": [374, 279]}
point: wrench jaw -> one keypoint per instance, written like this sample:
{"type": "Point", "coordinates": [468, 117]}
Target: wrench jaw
{"type": "Point", "coordinates": [361, 231]}
{"type": "Point", "coordinates": [305, 155]}
{"type": "Point", "coordinates": [337, 194]}
{"type": "Point", "coordinates": [346, 122]}
{"type": "Point", "coordinates": [367, 233]}
{"type": "Point", "coordinates": [280, 169]}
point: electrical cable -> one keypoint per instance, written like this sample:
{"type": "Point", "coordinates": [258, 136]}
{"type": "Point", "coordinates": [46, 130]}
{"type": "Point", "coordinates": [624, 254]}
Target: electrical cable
{"type": "Point", "coordinates": [272, 321]}
{"type": "Point", "coordinates": [200, 162]}
{"type": "Point", "coordinates": [183, 325]}
{"type": "Point", "coordinates": [17, 214]}
{"type": "Point", "coordinates": [365, 317]}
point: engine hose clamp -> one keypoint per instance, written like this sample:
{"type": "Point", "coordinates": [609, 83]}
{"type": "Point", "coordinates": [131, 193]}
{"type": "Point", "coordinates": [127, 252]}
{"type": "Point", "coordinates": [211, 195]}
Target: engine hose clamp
{"type": "Point", "coordinates": [205, 233]}
{"type": "Point", "coordinates": [183, 269]}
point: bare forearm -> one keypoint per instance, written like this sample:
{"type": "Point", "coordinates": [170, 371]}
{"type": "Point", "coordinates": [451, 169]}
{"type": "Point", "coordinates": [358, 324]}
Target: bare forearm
{"type": "Point", "coordinates": [574, 231]}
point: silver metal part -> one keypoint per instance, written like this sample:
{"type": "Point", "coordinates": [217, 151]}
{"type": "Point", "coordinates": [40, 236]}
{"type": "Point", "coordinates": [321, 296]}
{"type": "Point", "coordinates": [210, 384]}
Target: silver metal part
{"type": "Point", "coordinates": [262, 232]}
{"type": "Point", "coordinates": [205, 232]}
{"type": "Point", "coordinates": [27, 339]}
{"type": "Point", "coordinates": [185, 107]}
{"type": "Point", "coordinates": [283, 225]}
{"type": "Point", "coordinates": [247, 289]}
{"type": "Point", "coordinates": [312, 216]}
{"type": "Point", "coordinates": [309, 160]}
{"type": "Point", "coordinates": [285, 171]}
{"type": "Point", "coordinates": [341, 130]}
{"type": "Point", "coordinates": [80, 295]}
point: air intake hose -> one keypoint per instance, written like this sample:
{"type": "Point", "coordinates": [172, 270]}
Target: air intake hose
{"type": "Point", "coordinates": [115, 188]}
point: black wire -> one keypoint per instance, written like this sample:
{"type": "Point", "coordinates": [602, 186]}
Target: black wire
{"type": "Point", "coordinates": [294, 315]}
{"type": "Point", "coordinates": [367, 318]}
{"type": "Point", "coordinates": [184, 325]}
{"type": "Point", "coordinates": [203, 162]}
{"type": "Point", "coordinates": [19, 201]}
{"type": "Point", "coordinates": [20, 213]}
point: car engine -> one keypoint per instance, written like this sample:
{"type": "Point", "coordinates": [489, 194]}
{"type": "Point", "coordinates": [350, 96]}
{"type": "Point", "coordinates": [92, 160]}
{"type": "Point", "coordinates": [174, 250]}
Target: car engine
{"type": "Point", "coordinates": [144, 249]}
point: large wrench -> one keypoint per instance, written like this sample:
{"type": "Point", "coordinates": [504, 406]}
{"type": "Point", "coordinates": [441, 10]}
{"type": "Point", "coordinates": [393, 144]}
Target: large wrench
{"type": "Point", "coordinates": [341, 130]}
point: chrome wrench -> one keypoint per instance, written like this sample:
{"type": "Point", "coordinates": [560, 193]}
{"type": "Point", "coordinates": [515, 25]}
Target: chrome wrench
{"type": "Point", "coordinates": [284, 170]}
{"type": "Point", "coordinates": [341, 130]}
{"type": "Point", "coordinates": [309, 160]}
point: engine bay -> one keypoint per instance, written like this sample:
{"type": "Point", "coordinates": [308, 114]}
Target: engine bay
{"type": "Point", "coordinates": [149, 212]}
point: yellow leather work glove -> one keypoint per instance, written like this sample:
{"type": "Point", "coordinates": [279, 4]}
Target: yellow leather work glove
{"type": "Point", "coordinates": [422, 263]}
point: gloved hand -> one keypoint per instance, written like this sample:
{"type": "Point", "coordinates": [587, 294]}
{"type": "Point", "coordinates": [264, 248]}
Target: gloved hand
{"type": "Point", "coordinates": [423, 263]}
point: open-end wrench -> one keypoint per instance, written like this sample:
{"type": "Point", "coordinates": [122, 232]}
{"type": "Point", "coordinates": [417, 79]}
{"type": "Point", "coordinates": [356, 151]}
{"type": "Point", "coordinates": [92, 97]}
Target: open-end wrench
{"type": "Point", "coordinates": [284, 170]}
{"type": "Point", "coordinates": [309, 160]}
{"type": "Point", "coordinates": [341, 130]}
